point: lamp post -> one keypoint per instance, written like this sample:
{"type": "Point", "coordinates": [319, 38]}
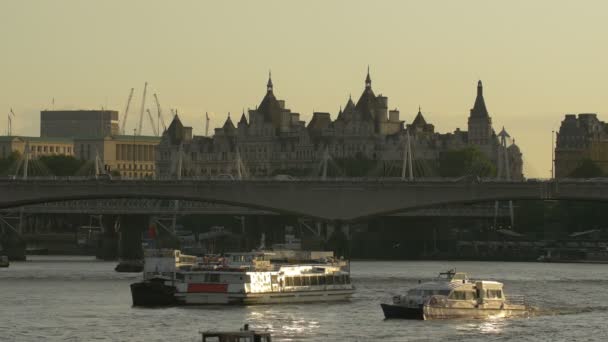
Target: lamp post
{"type": "Point", "coordinates": [133, 149]}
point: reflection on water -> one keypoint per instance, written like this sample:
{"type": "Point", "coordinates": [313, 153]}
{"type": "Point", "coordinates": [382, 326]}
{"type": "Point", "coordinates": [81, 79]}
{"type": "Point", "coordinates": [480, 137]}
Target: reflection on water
{"type": "Point", "coordinates": [492, 325]}
{"type": "Point", "coordinates": [77, 299]}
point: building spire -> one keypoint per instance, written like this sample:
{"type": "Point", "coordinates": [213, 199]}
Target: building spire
{"type": "Point", "coordinates": [479, 108]}
{"type": "Point", "coordinates": [368, 79]}
{"type": "Point", "coordinates": [269, 84]}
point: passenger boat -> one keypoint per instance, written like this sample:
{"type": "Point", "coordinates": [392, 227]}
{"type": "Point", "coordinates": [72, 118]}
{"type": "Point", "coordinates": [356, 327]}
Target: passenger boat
{"type": "Point", "coordinates": [243, 335]}
{"type": "Point", "coordinates": [454, 295]}
{"type": "Point", "coordinates": [4, 261]}
{"type": "Point", "coordinates": [258, 277]}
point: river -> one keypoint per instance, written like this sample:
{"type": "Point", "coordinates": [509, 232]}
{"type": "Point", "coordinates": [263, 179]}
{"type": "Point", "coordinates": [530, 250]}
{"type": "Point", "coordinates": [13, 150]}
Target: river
{"type": "Point", "coordinates": [54, 298]}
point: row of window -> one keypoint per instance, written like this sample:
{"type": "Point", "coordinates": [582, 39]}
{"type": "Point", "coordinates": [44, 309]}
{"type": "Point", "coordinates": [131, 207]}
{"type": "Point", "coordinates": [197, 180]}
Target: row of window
{"type": "Point", "coordinates": [52, 149]}
{"type": "Point", "coordinates": [136, 167]}
{"type": "Point", "coordinates": [312, 280]}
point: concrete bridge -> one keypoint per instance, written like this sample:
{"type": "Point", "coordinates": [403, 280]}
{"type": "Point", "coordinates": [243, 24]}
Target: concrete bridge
{"type": "Point", "coordinates": [339, 200]}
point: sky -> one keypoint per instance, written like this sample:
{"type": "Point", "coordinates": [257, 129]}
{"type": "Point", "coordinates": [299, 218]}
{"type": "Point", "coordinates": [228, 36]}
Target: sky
{"type": "Point", "coordinates": [538, 60]}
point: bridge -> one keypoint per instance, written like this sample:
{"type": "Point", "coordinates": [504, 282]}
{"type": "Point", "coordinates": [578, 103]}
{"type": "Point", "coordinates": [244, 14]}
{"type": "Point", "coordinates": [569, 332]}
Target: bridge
{"type": "Point", "coordinates": [126, 206]}
{"type": "Point", "coordinates": [337, 200]}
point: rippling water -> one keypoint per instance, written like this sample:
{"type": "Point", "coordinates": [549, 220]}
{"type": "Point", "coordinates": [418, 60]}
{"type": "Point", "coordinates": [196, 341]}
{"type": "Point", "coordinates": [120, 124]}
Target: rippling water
{"type": "Point", "coordinates": [80, 299]}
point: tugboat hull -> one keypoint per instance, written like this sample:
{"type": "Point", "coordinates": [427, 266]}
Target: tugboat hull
{"type": "Point", "coordinates": [152, 293]}
{"type": "Point", "coordinates": [398, 311]}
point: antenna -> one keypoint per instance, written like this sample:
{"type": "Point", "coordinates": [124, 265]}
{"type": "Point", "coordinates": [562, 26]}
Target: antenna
{"type": "Point", "coordinates": [11, 115]}
{"type": "Point", "coordinates": [206, 124]}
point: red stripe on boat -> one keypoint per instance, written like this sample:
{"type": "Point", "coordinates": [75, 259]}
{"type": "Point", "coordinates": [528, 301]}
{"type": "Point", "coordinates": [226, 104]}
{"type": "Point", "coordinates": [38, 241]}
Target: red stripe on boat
{"type": "Point", "coordinates": [193, 288]}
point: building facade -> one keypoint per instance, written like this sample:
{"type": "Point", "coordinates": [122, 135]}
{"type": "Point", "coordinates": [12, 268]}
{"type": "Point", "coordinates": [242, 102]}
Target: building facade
{"type": "Point", "coordinates": [581, 138]}
{"type": "Point", "coordinates": [78, 123]}
{"type": "Point", "coordinates": [124, 155]}
{"type": "Point", "coordinates": [38, 147]}
{"type": "Point", "coordinates": [271, 140]}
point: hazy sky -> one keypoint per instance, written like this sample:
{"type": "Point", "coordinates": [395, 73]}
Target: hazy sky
{"type": "Point", "coordinates": [538, 59]}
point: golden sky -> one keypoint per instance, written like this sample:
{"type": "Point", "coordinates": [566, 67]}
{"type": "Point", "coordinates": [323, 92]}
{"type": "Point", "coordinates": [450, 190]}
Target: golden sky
{"type": "Point", "coordinates": [538, 59]}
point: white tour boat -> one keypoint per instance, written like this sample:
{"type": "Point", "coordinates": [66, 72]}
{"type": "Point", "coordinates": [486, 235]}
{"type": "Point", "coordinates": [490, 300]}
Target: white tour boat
{"type": "Point", "coordinates": [454, 295]}
{"type": "Point", "coordinates": [258, 277]}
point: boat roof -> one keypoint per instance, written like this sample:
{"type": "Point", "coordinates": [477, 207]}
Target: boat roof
{"type": "Point", "coordinates": [439, 285]}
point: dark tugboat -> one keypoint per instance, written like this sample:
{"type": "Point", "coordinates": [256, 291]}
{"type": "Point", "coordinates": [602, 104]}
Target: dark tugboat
{"type": "Point", "coordinates": [153, 292]}
{"type": "Point", "coordinates": [159, 269]}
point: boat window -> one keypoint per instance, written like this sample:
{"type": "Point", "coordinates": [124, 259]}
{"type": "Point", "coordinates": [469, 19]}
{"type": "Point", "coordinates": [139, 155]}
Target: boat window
{"type": "Point", "coordinates": [305, 281]}
{"type": "Point", "coordinates": [470, 295]}
{"type": "Point", "coordinates": [347, 279]}
{"type": "Point", "coordinates": [458, 295]}
{"type": "Point", "coordinates": [329, 279]}
{"type": "Point", "coordinates": [274, 279]}
{"type": "Point", "coordinates": [494, 294]}
{"type": "Point", "coordinates": [322, 280]}
{"type": "Point", "coordinates": [314, 280]}
{"type": "Point", "coordinates": [288, 281]}
{"type": "Point", "coordinates": [212, 278]}
{"type": "Point", "coordinates": [297, 281]}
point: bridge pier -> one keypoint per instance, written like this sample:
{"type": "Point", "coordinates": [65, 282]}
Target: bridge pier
{"type": "Point", "coordinates": [129, 236]}
{"type": "Point", "coordinates": [107, 248]}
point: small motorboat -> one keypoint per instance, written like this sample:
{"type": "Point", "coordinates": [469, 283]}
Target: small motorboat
{"type": "Point", "coordinates": [4, 261]}
{"type": "Point", "coordinates": [132, 266]}
{"type": "Point", "coordinates": [243, 335]}
{"type": "Point", "coordinates": [454, 295]}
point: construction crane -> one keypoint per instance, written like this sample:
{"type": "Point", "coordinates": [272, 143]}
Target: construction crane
{"type": "Point", "coordinates": [125, 114]}
{"type": "Point", "coordinates": [152, 122]}
{"type": "Point", "coordinates": [11, 115]}
{"type": "Point", "coordinates": [159, 112]}
{"type": "Point", "coordinates": [141, 112]}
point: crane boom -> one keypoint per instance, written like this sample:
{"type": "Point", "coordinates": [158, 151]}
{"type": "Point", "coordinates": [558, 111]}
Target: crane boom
{"type": "Point", "coordinates": [141, 112]}
{"type": "Point", "coordinates": [125, 114]}
{"type": "Point", "coordinates": [161, 119]}
{"type": "Point", "coordinates": [152, 122]}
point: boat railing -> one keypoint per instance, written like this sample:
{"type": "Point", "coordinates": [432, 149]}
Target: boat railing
{"type": "Point", "coordinates": [516, 300]}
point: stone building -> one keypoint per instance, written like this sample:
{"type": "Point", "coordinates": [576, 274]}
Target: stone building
{"type": "Point", "coordinates": [38, 146]}
{"type": "Point", "coordinates": [272, 139]}
{"type": "Point", "coordinates": [131, 156]}
{"type": "Point", "coordinates": [580, 138]}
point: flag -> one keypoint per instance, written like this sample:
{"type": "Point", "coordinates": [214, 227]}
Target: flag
{"type": "Point", "coordinates": [152, 231]}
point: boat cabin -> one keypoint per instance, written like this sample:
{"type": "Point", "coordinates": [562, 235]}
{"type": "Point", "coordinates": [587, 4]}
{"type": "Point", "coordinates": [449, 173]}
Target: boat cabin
{"type": "Point", "coordinates": [244, 335]}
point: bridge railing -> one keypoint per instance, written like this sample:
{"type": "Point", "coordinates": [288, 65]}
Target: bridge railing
{"type": "Point", "coordinates": [170, 179]}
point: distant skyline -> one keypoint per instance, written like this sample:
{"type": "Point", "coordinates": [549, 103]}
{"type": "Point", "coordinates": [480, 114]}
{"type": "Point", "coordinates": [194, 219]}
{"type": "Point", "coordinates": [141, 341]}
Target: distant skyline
{"type": "Point", "coordinates": [538, 60]}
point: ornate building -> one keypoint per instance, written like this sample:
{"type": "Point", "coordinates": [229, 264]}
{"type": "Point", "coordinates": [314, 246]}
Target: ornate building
{"type": "Point", "coordinates": [580, 138]}
{"type": "Point", "coordinates": [272, 139]}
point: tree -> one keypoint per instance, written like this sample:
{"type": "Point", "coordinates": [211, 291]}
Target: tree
{"type": "Point", "coordinates": [468, 161]}
{"type": "Point", "coordinates": [6, 163]}
{"type": "Point", "coordinates": [62, 165]}
{"type": "Point", "coordinates": [587, 168]}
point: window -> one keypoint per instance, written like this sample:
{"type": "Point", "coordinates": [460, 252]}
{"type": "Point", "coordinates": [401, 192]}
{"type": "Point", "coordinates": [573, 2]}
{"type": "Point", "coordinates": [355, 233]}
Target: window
{"type": "Point", "coordinates": [297, 281]}
{"type": "Point", "coordinates": [322, 280]}
{"type": "Point", "coordinates": [493, 294]}
{"type": "Point", "coordinates": [329, 279]}
{"type": "Point", "coordinates": [314, 280]}
{"type": "Point", "coordinates": [288, 281]}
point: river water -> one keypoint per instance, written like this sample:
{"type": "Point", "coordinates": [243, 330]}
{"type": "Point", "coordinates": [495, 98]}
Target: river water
{"type": "Point", "coordinates": [80, 299]}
